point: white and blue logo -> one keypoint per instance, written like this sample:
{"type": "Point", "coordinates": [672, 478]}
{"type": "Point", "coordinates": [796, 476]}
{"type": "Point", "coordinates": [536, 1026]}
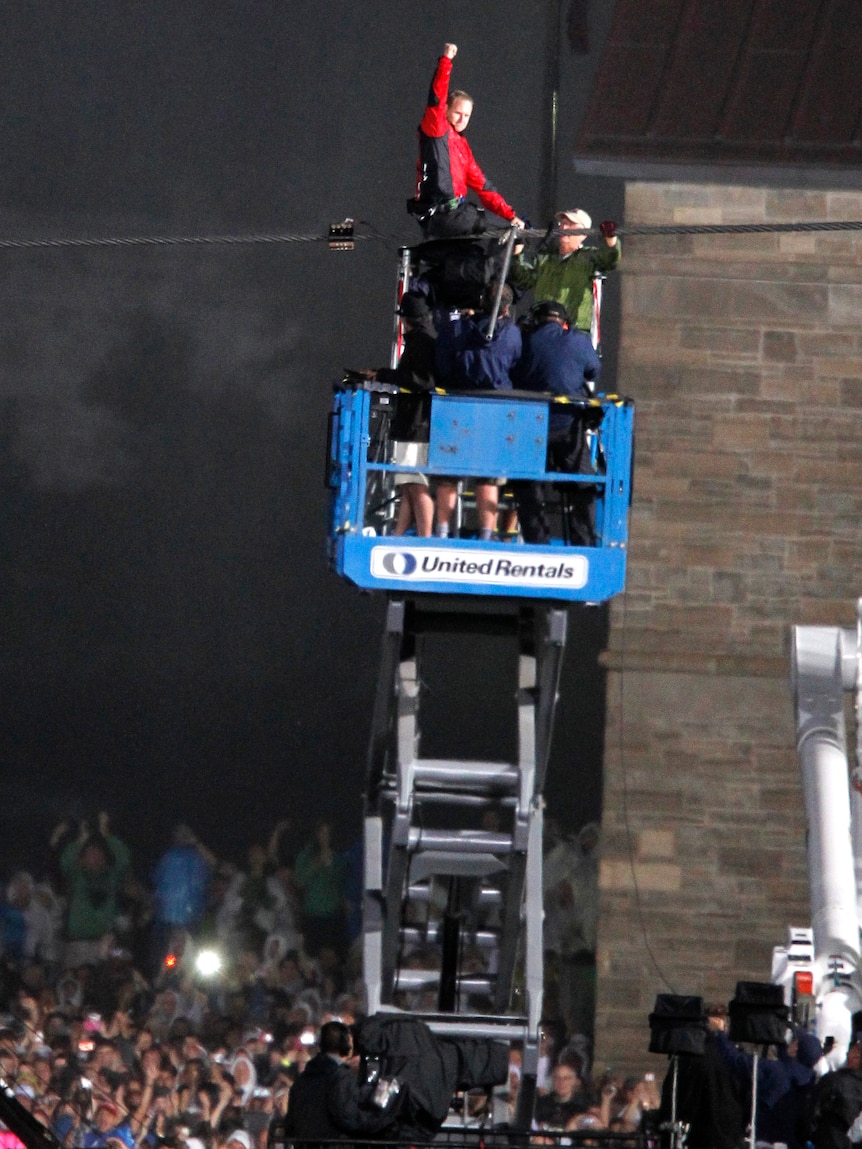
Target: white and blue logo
{"type": "Point", "coordinates": [398, 563]}
{"type": "Point", "coordinates": [492, 566]}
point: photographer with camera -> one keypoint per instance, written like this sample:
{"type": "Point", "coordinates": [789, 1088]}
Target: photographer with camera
{"type": "Point", "coordinates": [328, 1101]}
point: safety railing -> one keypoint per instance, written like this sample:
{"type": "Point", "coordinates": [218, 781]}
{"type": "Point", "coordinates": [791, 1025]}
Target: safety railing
{"type": "Point", "coordinates": [495, 436]}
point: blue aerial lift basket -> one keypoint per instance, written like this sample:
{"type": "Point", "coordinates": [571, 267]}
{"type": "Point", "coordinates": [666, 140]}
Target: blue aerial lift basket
{"type": "Point", "coordinates": [474, 434]}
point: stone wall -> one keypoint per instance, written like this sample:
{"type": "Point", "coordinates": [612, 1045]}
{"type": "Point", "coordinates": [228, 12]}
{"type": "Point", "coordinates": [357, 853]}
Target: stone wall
{"type": "Point", "coordinates": [743, 355]}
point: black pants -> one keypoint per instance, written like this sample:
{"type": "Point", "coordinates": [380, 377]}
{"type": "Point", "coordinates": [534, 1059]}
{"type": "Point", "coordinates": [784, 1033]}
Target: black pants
{"type": "Point", "coordinates": [568, 451]}
{"type": "Point", "coordinates": [466, 219]}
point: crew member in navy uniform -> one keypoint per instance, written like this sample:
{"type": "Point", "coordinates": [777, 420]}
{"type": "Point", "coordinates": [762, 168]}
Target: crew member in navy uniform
{"type": "Point", "coordinates": [561, 361]}
{"type": "Point", "coordinates": [467, 360]}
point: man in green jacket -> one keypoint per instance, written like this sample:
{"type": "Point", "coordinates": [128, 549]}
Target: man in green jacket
{"type": "Point", "coordinates": [566, 275]}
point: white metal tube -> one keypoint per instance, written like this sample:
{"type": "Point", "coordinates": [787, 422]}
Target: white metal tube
{"type": "Point", "coordinates": [830, 855]}
{"type": "Point", "coordinates": [818, 676]}
{"type": "Point", "coordinates": [825, 665]}
{"type": "Point", "coordinates": [851, 656]}
{"type": "Point", "coordinates": [752, 1134]}
{"type": "Point", "coordinates": [402, 286]}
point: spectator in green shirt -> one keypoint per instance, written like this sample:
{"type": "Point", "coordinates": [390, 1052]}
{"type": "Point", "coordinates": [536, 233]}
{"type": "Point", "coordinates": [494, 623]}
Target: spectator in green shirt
{"type": "Point", "coordinates": [320, 878]}
{"type": "Point", "coordinates": [94, 867]}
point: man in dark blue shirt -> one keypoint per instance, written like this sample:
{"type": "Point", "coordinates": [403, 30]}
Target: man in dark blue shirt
{"type": "Point", "coordinates": [467, 360]}
{"type": "Point", "coordinates": [560, 361]}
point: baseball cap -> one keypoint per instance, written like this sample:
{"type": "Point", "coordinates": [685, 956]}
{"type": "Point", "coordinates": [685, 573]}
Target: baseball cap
{"type": "Point", "coordinates": [577, 217]}
{"type": "Point", "coordinates": [550, 309]}
{"type": "Point", "coordinates": [809, 1049]}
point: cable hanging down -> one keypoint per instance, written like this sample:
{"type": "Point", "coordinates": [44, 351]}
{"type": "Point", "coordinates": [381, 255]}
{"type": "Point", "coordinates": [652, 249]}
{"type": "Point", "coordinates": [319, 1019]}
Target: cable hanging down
{"type": "Point", "coordinates": [343, 237]}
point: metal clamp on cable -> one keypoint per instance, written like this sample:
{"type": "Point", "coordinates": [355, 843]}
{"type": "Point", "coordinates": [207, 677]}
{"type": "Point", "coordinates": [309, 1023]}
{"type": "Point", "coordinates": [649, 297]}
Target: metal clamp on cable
{"type": "Point", "coordinates": [341, 236]}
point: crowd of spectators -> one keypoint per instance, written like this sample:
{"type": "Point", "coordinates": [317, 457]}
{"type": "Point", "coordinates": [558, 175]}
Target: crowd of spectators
{"type": "Point", "coordinates": [178, 1011]}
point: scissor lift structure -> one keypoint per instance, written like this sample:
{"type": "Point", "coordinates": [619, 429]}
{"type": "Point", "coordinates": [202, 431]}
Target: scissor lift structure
{"type": "Point", "coordinates": [452, 919]}
{"type": "Point", "coordinates": [453, 848]}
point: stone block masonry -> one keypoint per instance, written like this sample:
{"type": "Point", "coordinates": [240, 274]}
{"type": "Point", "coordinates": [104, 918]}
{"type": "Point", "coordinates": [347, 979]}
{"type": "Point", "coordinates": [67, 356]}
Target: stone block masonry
{"type": "Point", "coordinates": [744, 357]}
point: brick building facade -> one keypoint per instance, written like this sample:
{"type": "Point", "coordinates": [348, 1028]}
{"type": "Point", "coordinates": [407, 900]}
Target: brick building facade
{"type": "Point", "coordinates": [743, 355]}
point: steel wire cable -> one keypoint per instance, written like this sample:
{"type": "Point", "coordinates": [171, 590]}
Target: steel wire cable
{"type": "Point", "coordinates": [276, 238]}
{"type": "Point", "coordinates": [170, 240]}
{"type": "Point", "coordinates": [732, 228]}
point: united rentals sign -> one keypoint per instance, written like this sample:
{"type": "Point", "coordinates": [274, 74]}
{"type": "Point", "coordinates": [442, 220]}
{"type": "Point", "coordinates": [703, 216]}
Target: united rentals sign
{"type": "Point", "coordinates": [495, 566]}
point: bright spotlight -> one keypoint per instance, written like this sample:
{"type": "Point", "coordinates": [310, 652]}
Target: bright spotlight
{"type": "Point", "coordinates": [208, 963]}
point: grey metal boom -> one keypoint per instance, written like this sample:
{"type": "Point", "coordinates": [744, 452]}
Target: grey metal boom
{"type": "Point", "coordinates": [452, 918]}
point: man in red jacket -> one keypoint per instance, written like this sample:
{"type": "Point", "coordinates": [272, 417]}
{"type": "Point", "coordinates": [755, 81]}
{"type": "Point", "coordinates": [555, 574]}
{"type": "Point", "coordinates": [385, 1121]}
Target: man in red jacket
{"type": "Point", "coordinates": [446, 168]}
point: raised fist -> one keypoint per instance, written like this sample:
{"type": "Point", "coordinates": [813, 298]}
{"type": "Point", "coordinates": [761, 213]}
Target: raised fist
{"type": "Point", "coordinates": [608, 228]}
{"type": "Point", "coordinates": [450, 50]}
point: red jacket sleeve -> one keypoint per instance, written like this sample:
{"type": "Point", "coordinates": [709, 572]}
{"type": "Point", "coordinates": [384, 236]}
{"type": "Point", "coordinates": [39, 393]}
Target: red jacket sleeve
{"type": "Point", "coordinates": [488, 195]}
{"type": "Point", "coordinates": [434, 122]}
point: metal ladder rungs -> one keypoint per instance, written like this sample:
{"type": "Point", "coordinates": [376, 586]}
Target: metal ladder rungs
{"type": "Point", "coordinates": [416, 936]}
{"type": "Point", "coordinates": [423, 978]}
{"type": "Point", "coordinates": [470, 776]}
{"type": "Point", "coordinates": [454, 863]}
{"type": "Point", "coordinates": [454, 798]}
{"type": "Point", "coordinates": [488, 896]}
{"type": "Point", "coordinates": [501, 1028]}
{"type": "Point", "coordinates": [428, 855]}
{"type": "Point", "coordinates": [460, 841]}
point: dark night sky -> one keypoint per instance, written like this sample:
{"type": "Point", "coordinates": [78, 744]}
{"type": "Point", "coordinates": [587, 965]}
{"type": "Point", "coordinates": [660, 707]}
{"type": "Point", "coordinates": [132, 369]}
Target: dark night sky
{"type": "Point", "coordinates": [172, 643]}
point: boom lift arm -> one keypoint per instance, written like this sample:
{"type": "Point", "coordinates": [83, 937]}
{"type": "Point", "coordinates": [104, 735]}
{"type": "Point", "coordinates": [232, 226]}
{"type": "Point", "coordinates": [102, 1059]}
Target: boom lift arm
{"type": "Point", "coordinates": [826, 665]}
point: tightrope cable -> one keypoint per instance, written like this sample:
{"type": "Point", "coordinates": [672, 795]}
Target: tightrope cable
{"type": "Point", "coordinates": [172, 240]}
{"type": "Point", "coordinates": [336, 241]}
{"type": "Point", "coordinates": [731, 228]}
